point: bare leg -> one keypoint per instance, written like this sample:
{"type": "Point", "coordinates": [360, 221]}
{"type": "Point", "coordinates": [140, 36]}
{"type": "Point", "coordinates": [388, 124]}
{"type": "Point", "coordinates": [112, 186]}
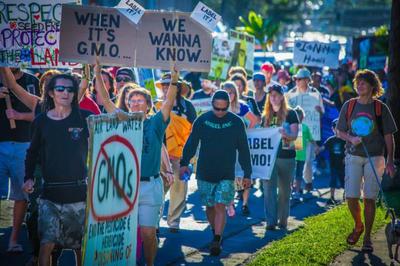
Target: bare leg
{"type": "Point", "coordinates": [45, 254]}
{"type": "Point", "coordinates": [149, 238]}
{"type": "Point", "coordinates": [369, 215]}
{"type": "Point", "coordinates": [354, 207]}
{"type": "Point", "coordinates": [220, 219]}
{"type": "Point", "coordinates": [18, 214]}
{"type": "Point", "coordinates": [210, 212]}
{"type": "Point", "coordinates": [246, 194]}
{"type": "Point", "coordinates": [78, 257]}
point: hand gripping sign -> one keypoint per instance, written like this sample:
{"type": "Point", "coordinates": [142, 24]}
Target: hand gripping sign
{"type": "Point", "coordinates": [111, 215]}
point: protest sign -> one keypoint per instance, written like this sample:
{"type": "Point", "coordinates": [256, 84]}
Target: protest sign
{"type": "Point", "coordinates": [264, 144]}
{"type": "Point", "coordinates": [112, 202]}
{"type": "Point", "coordinates": [244, 54]}
{"type": "Point", "coordinates": [29, 33]}
{"type": "Point", "coordinates": [308, 101]}
{"type": "Point", "coordinates": [371, 52]}
{"type": "Point", "coordinates": [132, 10]}
{"type": "Point", "coordinates": [205, 16]}
{"type": "Point", "coordinates": [316, 54]}
{"type": "Point", "coordinates": [221, 57]}
{"type": "Point", "coordinates": [164, 37]}
{"type": "Point", "coordinates": [202, 105]}
{"type": "Point", "coordinates": [146, 80]}
{"type": "Point", "coordinates": [88, 32]}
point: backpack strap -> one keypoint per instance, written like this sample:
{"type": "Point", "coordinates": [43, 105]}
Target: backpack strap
{"type": "Point", "coordinates": [378, 114]}
{"type": "Point", "coordinates": [350, 109]}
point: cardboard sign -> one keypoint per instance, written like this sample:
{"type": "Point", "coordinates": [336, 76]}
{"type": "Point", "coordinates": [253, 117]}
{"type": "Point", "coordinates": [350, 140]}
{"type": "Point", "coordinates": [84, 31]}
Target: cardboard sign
{"type": "Point", "coordinates": [113, 190]}
{"type": "Point", "coordinates": [264, 145]}
{"type": "Point", "coordinates": [132, 10]}
{"type": "Point", "coordinates": [316, 54]}
{"type": "Point", "coordinates": [244, 55]}
{"type": "Point", "coordinates": [221, 58]}
{"type": "Point", "coordinates": [29, 33]}
{"type": "Point", "coordinates": [159, 39]}
{"type": "Point", "coordinates": [165, 37]}
{"type": "Point", "coordinates": [312, 118]}
{"type": "Point", "coordinates": [205, 16]}
{"type": "Point", "coordinates": [88, 32]}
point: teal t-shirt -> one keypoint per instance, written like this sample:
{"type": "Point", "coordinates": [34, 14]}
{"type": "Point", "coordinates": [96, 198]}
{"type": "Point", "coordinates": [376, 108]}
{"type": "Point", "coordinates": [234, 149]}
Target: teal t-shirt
{"type": "Point", "coordinates": [153, 136]}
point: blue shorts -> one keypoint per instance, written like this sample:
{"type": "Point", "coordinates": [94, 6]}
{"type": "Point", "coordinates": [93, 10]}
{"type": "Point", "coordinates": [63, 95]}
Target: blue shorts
{"type": "Point", "coordinates": [212, 193]}
{"type": "Point", "coordinates": [12, 165]}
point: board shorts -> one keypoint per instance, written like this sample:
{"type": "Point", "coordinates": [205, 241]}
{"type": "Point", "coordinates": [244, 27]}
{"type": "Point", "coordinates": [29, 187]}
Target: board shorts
{"type": "Point", "coordinates": [222, 192]}
{"type": "Point", "coordinates": [61, 224]}
{"type": "Point", "coordinates": [359, 175]}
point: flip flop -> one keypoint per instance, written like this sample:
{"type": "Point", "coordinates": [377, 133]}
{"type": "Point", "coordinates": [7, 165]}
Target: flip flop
{"type": "Point", "coordinates": [367, 247]}
{"type": "Point", "coordinates": [16, 248]}
{"type": "Point", "coordinates": [354, 236]}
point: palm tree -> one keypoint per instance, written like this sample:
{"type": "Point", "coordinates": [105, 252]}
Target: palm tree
{"type": "Point", "coordinates": [264, 30]}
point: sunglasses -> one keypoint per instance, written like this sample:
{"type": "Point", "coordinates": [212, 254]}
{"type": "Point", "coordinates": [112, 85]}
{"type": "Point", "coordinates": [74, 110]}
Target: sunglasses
{"type": "Point", "coordinates": [60, 88]}
{"type": "Point", "coordinates": [124, 79]}
{"type": "Point", "coordinates": [220, 109]}
{"type": "Point", "coordinates": [141, 101]}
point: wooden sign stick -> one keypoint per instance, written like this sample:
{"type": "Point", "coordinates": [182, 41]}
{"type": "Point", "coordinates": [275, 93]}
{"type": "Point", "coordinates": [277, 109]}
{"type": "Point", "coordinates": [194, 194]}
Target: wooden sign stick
{"type": "Point", "coordinates": [9, 106]}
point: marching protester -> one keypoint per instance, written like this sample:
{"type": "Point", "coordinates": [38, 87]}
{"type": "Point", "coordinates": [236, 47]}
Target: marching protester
{"type": "Point", "coordinates": [206, 91]}
{"type": "Point", "coordinates": [221, 134]}
{"type": "Point", "coordinates": [241, 85]}
{"type": "Point", "coordinates": [283, 79]}
{"type": "Point", "coordinates": [14, 141]}
{"type": "Point", "coordinates": [60, 139]}
{"type": "Point", "coordinates": [268, 70]}
{"type": "Point", "coordinates": [277, 113]}
{"type": "Point", "coordinates": [181, 119]}
{"type": "Point", "coordinates": [151, 187]}
{"type": "Point", "coordinates": [306, 138]}
{"type": "Point", "coordinates": [362, 164]}
{"type": "Point", "coordinates": [302, 79]}
{"type": "Point", "coordinates": [243, 111]}
{"type": "Point", "coordinates": [336, 149]}
{"type": "Point", "coordinates": [122, 76]}
{"type": "Point", "coordinates": [109, 83]}
{"type": "Point", "coordinates": [260, 95]}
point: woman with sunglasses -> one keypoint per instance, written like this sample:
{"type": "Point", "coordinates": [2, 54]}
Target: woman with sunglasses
{"type": "Point", "coordinates": [60, 139]}
{"type": "Point", "coordinates": [278, 114]}
{"type": "Point", "coordinates": [151, 186]}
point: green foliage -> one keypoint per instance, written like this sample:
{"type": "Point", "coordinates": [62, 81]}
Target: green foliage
{"type": "Point", "coordinates": [322, 238]}
{"type": "Point", "coordinates": [263, 29]}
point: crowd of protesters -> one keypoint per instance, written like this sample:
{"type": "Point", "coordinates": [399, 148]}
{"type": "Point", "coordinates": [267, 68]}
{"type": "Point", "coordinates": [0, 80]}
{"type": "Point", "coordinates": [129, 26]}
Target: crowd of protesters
{"type": "Point", "coordinates": [46, 151]}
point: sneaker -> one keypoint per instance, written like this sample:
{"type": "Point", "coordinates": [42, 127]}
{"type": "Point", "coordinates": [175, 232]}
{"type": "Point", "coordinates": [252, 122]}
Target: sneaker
{"type": "Point", "coordinates": [282, 226]}
{"type": "Point", "coordinates": [215, 248]}
{"type": "Point", "coordinates": [331, 201]}
{"type": "Point", "coordinates": [245, 210]}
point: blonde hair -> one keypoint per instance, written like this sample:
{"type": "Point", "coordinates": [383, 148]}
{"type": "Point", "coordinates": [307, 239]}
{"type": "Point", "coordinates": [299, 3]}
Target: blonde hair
{"type": "Point", "coordinates": [231, 86]}
{"type": "Point", "coordinates": [268, 111]}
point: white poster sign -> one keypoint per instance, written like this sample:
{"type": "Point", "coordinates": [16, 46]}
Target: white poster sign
{"type": "Point", "coordinates": [113, 191]}
{"type": "Point", "coordinates": [205, 16]}
{"type": "Point", "coordinates": [264, 145]}
{"type": "Point", "coordinates": [316, 54]}
{"type": "Point", "coordinates": [132, 10]}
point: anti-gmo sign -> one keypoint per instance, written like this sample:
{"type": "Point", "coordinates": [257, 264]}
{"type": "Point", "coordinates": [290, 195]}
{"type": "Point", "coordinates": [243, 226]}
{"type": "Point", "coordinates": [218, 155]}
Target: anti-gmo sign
{"type": "Point", "coordinates": [116, 173]}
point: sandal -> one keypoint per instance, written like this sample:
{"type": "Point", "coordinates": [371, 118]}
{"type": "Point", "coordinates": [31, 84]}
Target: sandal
{"type": "Point", "coordinates": [367, 247]}
{"type": "Point", "coordinates": [354, 236]}
{"type": "Point", "coordinates": [15, 248]}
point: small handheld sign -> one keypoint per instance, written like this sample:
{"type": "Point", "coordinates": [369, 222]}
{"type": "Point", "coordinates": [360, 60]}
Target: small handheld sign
{"type": "Point", "coordinates": [132, 10]}
{"type": "Point", "coordinates": [205, 16]}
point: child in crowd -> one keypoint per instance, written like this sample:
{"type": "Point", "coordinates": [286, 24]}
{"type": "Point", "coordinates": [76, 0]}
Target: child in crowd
{"type": "Point", "coordinates": [305, 138]}
{"type": "Point", "coordinates": [336, 149]}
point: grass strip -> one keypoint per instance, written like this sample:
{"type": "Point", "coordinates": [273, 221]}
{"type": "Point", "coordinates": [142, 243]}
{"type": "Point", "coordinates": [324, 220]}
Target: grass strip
{"type": "Point", "coordinates": [318, 242]}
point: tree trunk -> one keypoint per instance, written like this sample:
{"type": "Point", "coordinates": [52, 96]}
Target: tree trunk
{"type": "Point", "coordinates": [393, 93]}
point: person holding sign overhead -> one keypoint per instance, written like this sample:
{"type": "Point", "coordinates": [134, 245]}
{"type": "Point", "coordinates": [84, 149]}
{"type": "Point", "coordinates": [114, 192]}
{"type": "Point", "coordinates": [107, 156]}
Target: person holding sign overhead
{"type": "Point", "coordinates": [378, 127]}
{"type": "Point", "coordinates": [151, 186]}
{"type": "Point", "coordinates": [277, 113]}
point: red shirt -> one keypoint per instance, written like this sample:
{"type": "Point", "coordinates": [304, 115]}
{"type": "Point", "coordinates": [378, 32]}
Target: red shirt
{"type": "Point", "coordinates": [90, 105]}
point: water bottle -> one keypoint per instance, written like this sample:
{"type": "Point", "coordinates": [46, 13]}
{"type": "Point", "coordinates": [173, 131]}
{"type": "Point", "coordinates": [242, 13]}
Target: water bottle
{"type": "Point", "coordinates": [186, 175]}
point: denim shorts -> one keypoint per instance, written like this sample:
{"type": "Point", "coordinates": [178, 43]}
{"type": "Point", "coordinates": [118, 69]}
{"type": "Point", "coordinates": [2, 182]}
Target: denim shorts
{"type": "Point", "coordinates": [12, 165]}
{"type": "Point", "coordinates": [212, 193]}
{"type": "Point", "coordinates": [61, 224]}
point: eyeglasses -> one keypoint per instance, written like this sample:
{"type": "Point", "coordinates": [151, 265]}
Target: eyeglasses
{"type": "Point", "coordinates": [124, 79]}
{"type": "Point", "coordinates": [140, 101]}
{"type": "Point", "coordinates": [60, 88]}
{"type": "Point", "coordinates": [220, 109]}
{"type": "Point", "coordinates": [298, 79]}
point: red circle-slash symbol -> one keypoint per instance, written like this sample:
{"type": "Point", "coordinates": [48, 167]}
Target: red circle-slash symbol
{"type": "Point", "coordinates": [115, 140]}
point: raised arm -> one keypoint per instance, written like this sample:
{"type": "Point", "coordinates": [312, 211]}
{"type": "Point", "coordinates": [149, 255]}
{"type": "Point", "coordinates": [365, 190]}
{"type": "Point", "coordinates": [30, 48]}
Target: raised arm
{"type": "Point", "coordinates": [102, 92]}
{"type": "Point", "coordinates": [84, 82]}
{"type": "Point", "coordinates": [30, 100]}
{"type": "Point", "coordinates": [168, 104]}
